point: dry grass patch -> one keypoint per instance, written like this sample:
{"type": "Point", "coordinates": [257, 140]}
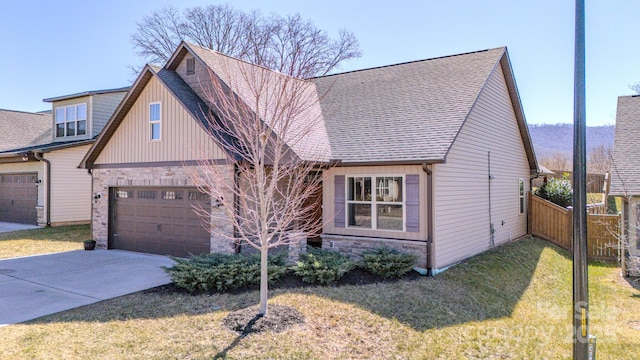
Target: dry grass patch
{"type": "Point", "coordinates": [42, 241]}
{"type": "Point", "coordinates": [513, 303]}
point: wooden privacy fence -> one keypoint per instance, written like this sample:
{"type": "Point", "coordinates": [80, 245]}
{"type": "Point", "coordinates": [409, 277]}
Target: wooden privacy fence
{"type": "Point", "coordinates": [555, 223]}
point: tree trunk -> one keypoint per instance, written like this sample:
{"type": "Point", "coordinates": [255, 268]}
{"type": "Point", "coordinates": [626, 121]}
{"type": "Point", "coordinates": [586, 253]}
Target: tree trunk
{"type": "Point", "coordinates": [264, 278]}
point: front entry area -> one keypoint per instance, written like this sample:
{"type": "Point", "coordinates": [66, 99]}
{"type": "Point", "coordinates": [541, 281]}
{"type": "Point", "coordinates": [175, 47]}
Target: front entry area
{"type": "Point", "coordinates": [19, 198]}
{"type": "Point", "coordinates": [158, 221]}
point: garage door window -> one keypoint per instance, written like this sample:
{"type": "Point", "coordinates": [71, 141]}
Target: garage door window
{"type": "Point", "coordinates": [146, 194]}
{"type": "Point", "coordinates": [123, 194]}
{"type": "Point", "coordinates": [172, 195]}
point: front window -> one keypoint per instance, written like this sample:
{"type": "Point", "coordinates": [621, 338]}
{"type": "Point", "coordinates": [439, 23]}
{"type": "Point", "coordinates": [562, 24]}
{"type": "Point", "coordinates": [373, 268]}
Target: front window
{"type": "Point", "coordinates": [384, 211]}
{"type": "Point", "coordinates": [154, 121]}
{"type": "Point", "coordinates": [71, 120]}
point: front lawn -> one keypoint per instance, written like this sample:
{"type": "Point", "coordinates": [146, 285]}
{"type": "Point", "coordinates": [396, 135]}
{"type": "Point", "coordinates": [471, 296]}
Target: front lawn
{"type": "Point", "coordinates": [513, 303]}
{"type": "Point", "coordinates": [42, 241]}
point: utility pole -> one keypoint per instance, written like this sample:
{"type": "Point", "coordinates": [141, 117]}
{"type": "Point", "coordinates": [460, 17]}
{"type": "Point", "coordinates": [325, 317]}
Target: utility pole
{"type": "Point", "coordinates": [580, 276]}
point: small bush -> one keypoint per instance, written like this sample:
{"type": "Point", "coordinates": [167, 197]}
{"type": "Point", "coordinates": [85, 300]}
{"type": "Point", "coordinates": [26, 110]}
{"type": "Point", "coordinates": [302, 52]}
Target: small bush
{"type": "Point", "coordinates": [558, 191]}
{"type": "Point", "coordinates": [319, 266]}
{"type": "Point", "coordinates": [387, 262]}
{"type": "Point", "coordinates": [223, 272]}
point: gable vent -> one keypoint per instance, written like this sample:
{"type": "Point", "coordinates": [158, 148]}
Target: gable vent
{"type": "Point", "coordinates": [191, 66]}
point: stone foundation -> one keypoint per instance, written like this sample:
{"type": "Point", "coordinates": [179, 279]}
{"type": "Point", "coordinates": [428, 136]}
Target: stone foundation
{"type": "Point", "coordinates": [40, 220]}
{"type": "Point", "coordinates": [165, 176]}
{"type": "Point", "coordinates": [354, 246]}
{"type": "Point", "coordinates": [633, 266]}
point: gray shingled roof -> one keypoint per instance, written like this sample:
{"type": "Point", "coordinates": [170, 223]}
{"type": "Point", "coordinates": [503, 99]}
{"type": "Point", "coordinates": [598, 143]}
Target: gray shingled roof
{"type": "Point", "coordinates": [625, 170]}
{"type": "Point", "coordinates": [246, 79]}
{"type": "Point", "coordinates": [404, 112]}
{"type": "Point", "coordinates": [21, 129]}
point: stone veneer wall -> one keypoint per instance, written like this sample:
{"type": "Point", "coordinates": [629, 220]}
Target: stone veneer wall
{"type": "Point", "coordinates": [165, 176]}
{"type": "Point", "coordinates": [354, 246]}
{"type": "Point", "coordinates": [633, 266]}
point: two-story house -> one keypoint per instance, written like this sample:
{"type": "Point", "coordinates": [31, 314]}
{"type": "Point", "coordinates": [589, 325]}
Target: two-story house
{"type": "Point", "coordinates": [40, 182]}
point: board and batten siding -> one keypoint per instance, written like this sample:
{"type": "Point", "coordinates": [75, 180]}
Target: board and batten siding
{"type": "Point", "coordinates": [182, 138]}
{"type": "Point", "coordinates": [70, 186]}
{"type": "Point", "coordinates": [328, 197]}
{"type": "Point", "coordinates": [461, 184]}
{"type": "Point", "coordinates": [103, 107]}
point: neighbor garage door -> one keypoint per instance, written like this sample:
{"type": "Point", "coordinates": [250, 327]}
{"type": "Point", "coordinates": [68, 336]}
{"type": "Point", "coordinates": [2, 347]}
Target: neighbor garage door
{"type": "Point", "coordinates": [159, 221]}
{"type": "Point", "coordinates": [18, 198]}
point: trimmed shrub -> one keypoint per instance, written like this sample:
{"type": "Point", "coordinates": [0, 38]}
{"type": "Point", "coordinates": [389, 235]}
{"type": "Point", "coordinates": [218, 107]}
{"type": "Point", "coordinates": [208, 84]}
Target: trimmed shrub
{"type": "Point", "coordinates": [558, 191]}
{"type": "Point", "coordinates": [387, 262]}
{"type": "Point", "coordinates": [318, 266]}
{"type": "Point", "coordinates": [223, 272]}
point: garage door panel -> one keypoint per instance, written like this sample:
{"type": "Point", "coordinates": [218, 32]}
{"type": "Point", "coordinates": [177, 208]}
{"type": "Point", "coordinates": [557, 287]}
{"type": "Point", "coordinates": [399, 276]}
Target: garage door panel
{"type": "Point", "coordinates": [158, 220]}
{"type": "Point", "coordinates": [18, 198]}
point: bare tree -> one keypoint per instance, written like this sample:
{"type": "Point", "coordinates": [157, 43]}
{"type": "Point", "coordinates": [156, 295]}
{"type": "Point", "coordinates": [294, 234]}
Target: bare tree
{"type": "Point", "coordinates": [288, 44]}
{"type": "Point", "coordinates": [635, 87]}
{"type": "Point", "coordinates": [599, 159]}
{"type": "Point", "coordinates": [271, 127]}
{"type": "Point", "coordinates": [557, 161]}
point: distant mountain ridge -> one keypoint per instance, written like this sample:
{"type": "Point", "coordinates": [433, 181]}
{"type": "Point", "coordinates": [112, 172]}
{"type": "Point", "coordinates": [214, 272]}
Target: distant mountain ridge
{"type": "Point", "coordinates": [550, 138]}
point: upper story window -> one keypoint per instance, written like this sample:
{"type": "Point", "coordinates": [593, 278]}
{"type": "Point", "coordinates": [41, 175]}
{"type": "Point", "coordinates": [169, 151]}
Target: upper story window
{"type": "Point", "coordinates": [154, 121]}
{"type": "Point", "coordinates": [71, 120]}
{"type": "Point", "coordinates": [375, 202]}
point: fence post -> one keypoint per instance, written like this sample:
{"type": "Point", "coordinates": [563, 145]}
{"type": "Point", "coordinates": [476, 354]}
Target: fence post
{"type": "Point", "coordinates": [569, 224]}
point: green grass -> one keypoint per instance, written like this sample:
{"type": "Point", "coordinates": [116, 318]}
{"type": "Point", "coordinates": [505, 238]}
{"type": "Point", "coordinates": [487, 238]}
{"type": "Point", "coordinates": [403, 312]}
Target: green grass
{"type": "Point", "coordinates": [512, 303]}
{"type": "Point", "coordinates": [42, 241]}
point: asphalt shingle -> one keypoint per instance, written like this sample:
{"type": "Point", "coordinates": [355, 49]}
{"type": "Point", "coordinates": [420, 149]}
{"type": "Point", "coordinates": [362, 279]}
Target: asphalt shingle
{"type": "Point", "coordinates": [22, 129]}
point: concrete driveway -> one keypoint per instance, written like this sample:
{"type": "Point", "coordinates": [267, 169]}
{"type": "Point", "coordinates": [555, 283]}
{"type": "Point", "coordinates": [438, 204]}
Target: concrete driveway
{"type": "Point", "coordinates": [7, 227]}
{"type": "Point", "coordinates": [34, 286]}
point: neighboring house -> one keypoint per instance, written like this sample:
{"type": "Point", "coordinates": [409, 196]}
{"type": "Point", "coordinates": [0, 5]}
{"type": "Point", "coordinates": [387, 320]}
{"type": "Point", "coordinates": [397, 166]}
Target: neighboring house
{"type": "Point", "coordinates": [40, 182]}
{"type": "Point", "coordinates": [625, 174]}
{"type": "Point", "coordinates": [443, 142]}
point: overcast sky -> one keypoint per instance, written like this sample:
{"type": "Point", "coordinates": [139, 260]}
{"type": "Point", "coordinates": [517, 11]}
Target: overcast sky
{"type": "Point", "coordinates": [53, 48]}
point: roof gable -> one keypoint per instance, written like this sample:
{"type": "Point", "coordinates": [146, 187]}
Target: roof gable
{"type": "Point", "coordinates": [410, 112]}
{"type": "Point", "coordinates": [625, 169]}
{"type": "Point", "coordinates": [404, 113]}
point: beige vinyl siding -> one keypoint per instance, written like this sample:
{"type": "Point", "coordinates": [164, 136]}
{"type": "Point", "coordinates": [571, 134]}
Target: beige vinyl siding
{"type": "Point", "coordinates": [70, 186]}
{"type": "Point", "coordinates": [103, 107]}
{"type": "Point", "coordinates": [28, 167]}
{"type": "Point", "coordinates": [182, 138]}
{"type": "Point", "coordinates": [461, 185]}
{"type": "Point", "coordinates": [74, 101]}
{"type": "Point", "coordinates": [633, 226]}
{"type": "Point", "coordinates": [328, 196]}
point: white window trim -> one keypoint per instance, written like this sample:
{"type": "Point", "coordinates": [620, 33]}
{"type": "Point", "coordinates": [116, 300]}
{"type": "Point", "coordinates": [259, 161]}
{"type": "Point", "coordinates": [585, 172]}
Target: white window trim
{"type": "Point", "coordinates": [159, 121]}
{"type": "Point", "coordinates": [374, 202]}
{"type": "Point", "coordinates": [522, 196]}
{"type": "Point", "coordinates": [65, 122]}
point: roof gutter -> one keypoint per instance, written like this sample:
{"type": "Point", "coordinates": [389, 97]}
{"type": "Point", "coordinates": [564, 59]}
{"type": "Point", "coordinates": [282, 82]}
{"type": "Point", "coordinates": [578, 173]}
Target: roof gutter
{"type": "Point", "coordinates": [39, 157]}
{"type": "Point", "coordinates": [430, 248]}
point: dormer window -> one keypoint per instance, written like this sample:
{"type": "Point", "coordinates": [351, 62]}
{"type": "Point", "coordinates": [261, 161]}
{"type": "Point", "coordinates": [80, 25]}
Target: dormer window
{"type": "Point", "coordinates": [71, 120]}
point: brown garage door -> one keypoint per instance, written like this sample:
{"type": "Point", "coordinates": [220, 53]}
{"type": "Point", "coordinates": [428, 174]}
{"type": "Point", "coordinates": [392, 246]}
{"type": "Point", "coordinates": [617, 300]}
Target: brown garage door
{"type": "Point", "coordinates": [18, 198]}
{"type": "Point", "coordinates": [159, 221]}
